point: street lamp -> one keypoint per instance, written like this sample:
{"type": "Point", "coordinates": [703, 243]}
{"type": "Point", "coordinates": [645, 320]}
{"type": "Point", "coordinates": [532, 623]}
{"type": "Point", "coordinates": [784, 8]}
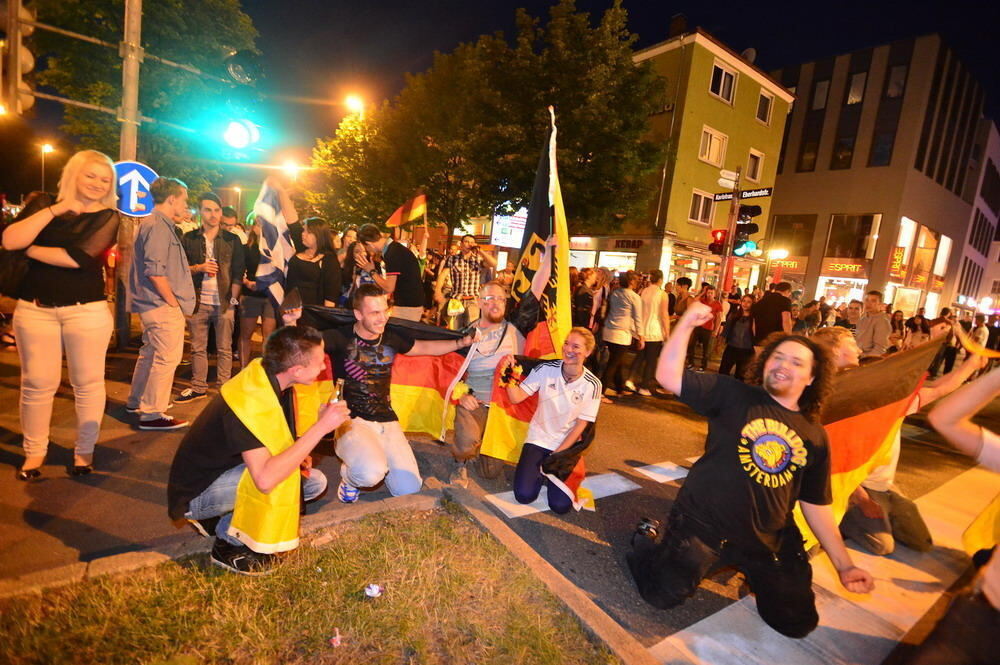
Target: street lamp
{"type": "Point", "coordinates": [355, 104]}
{"type": "Point", "coordinates": [237, 190]}
{"type": "Point", "coordinates": [291, 169]}
{"type": "Point", "coordinates": [46, 149]}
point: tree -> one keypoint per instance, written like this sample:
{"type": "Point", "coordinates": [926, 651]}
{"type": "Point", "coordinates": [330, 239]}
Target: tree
{"type": "Point", "coordinates": [195, 32]}
{"type": "Point", "coordinates": [468, 130]}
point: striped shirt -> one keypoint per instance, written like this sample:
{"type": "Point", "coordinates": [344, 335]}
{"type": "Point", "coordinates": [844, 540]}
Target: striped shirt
{"type": "Point", "coordinates": [560, 404]}
{"type": "Point", "coordinates": [465, 274]}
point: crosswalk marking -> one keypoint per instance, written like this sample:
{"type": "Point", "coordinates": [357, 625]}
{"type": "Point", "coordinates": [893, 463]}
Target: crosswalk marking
{"type": "Point", "coordinates": [664, 472]}
{"type": "Point", "coordinates": [853, 628]}
{"type": "Point", "coordinates": [603, 485]}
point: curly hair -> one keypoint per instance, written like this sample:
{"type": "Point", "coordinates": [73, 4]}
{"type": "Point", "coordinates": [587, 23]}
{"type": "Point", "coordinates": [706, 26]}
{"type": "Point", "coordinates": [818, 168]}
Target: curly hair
{"type": "Point", "coordinates": [815, 394]}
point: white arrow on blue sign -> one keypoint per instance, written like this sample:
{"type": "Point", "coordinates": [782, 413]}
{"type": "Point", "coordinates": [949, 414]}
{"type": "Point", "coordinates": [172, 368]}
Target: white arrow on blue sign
{"type": "Point", "coordinates": [134, 179]}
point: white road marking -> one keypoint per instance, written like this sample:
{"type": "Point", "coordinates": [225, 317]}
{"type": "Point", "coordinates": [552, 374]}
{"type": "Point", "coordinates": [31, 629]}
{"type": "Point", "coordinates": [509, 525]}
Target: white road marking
{"type": "Point", "coordinates": [603, 485]}
{"type": "Point", "coordinates": [664, 472]}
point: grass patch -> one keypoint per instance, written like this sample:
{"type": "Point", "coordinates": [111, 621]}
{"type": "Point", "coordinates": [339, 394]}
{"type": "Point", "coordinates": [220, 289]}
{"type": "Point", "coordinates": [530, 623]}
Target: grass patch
{"type": "Point", "coordinates": [453, 594]}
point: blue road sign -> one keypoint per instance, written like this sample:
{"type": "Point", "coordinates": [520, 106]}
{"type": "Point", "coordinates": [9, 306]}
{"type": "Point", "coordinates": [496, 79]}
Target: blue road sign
{"type": "Point", "coordinates": [133, 181]}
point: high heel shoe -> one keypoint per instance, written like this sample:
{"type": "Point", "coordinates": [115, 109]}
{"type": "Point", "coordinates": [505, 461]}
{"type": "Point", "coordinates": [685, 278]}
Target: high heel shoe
{"type": "Point", "coordinates": [28, 474]}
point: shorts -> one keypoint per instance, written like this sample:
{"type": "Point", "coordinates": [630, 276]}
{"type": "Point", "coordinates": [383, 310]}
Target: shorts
{"type": "Point", "coordinates": [253, 306]}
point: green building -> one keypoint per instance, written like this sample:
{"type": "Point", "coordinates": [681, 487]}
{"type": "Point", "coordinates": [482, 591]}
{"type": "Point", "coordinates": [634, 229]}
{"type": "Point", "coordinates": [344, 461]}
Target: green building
{"type": "Point", "coordinates": [722, 112]}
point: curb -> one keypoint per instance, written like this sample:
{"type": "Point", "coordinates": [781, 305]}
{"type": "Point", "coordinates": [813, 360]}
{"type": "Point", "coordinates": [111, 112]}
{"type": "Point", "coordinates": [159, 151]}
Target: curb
{"type": "Point", "coordinates": [312, 525]}
{"type": "Point", "coordinates": [594, 620]}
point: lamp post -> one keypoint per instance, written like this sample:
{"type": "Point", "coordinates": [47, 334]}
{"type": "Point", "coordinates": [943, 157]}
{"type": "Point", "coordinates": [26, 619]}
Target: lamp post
{"type": "Point", "coordinates": [355, 104]}
{"type": "Point", "coordinates": [238, 191]}
{"type": "Point", "coordinates": [46, 149]}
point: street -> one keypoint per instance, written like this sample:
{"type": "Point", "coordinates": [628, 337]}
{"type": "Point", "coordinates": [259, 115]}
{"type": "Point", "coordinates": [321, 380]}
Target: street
{"type": "Point", "coordinates": [641, 441]}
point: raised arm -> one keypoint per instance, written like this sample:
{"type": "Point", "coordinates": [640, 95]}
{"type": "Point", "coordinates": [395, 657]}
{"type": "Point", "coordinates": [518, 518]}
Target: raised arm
{"type": "Point", "coordinates": [544, 271]}
{"type": "Point", "coordinates": [670, 368]}
{"type": "Point", "coordinates": [952, 417]}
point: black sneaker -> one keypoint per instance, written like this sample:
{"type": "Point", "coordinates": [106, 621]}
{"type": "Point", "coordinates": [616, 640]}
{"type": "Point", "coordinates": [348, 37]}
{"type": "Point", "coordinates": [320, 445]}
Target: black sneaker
{"type": "Point", "coordinates": [241, 559]}
{"type": "Point", "coordinates": [189, 395]}
{"type": "Point", "coordinates": [205, 527]}
{"type": "Point", "coordinates": [166, 423]}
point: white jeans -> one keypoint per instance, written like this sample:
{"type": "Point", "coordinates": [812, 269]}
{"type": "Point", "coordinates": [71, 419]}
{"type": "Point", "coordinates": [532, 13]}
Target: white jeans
{"type": "Point", "coordinates": [162, 348]}
{"type": "Point", "coordinates": [42, 334]}
{"type": "Point", "coordinates": [374, 451]}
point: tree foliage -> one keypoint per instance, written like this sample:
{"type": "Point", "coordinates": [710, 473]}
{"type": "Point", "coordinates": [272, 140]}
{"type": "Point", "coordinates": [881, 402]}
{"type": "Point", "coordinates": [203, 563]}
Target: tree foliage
{"type": "Point", "coordinates": [195, 32]}
{"type": "Point", "coordinates": [468, 131]}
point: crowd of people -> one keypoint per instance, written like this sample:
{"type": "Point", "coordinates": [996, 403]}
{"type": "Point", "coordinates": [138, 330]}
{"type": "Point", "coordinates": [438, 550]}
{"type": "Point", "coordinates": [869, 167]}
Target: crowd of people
{"type": "Point", "coordinates": [244, 466]}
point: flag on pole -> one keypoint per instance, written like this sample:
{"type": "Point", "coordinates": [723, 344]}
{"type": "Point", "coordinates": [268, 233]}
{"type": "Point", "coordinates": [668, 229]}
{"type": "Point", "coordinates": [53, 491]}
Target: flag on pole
{"type": "Point", "coordinates": [276, 247]}
{"type": "Point", "coordinates": [413, 209]}
{"type": "Point", "coordinates": [507, 424]}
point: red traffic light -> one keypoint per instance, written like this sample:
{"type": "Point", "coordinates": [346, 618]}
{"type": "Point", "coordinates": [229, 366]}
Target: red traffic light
{"type": "Point", "coordinates": [719, 235]}
{"type": "Point", "coordinates": [718, 244]}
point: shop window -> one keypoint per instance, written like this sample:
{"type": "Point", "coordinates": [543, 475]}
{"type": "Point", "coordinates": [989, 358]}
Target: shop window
{"type": "Point", "coordinates": [723, 83]}
{"type": "Point", "coordinates": [793, 233]}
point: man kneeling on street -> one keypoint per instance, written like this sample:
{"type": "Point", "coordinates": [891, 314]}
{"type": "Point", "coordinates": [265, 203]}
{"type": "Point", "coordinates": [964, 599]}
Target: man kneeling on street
{"type": "Point", "coordinates": [765, 451]}
{"type": "Point", "coordinates": [237, 472]}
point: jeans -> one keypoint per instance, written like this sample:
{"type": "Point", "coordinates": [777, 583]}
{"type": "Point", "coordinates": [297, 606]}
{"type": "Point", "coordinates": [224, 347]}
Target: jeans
{"type": "Point", "coordinates": [162, 347]}
{"type": "Point", "coordinates": [644, 366]}
{"type": "Point", "coordinates": [528, 480]}
{"type": "Point", "coordinates": [738, 358]}
{"type": "Point", "coordinates": [616, 366]}
{"type": "Point", "coordinates": [199, 323]}
{"type": "Point", "coordinates": [42, 333]}
{"type": "Point", "coordinates": [700, 337]}
{"type": "Point", "coordinates": [900, 521]}
{"type": "Point", "coordinates": [220, 498]}
{"type": "Point", "coordinates": [373, 451]}
{"type": "Point", "coordinates": [669, 571]}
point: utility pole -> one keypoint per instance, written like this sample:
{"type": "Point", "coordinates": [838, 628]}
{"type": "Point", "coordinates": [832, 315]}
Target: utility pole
{"type": "Point", "coordinates": [132, 53]}
{"type": "Point", "coordinates": [727, 257]}
{"type": "Point", "coordinates": [13, 65]}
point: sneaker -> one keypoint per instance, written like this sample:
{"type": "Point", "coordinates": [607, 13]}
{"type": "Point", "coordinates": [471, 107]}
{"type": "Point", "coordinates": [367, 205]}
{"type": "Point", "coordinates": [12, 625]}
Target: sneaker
{"type": "Point", "coordinates": [460, 476]}
{"type": "Point", "coordinates": [165, 423]}
{"type": "Point", "coordinates": [611, 392]}
{"type": "Point", "coordinates": [629, 385]}
{"type": "Point", "coordinates": [189, 395]}
{"type": "Point", "coordinates": [644, 392]}
{"type": "Point", "coordinates": [241, 559]}
{"type": "Point", "coordinates": [205, 527]}
{"type": "Point", "coordinates": [345, 492]}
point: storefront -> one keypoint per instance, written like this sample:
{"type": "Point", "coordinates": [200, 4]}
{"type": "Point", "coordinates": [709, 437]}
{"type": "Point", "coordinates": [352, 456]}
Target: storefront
{"type": "Point", "coordinates": [917, 266]}
{"type": "Point", "coordinates": [842, 280]}
{"type": "Point", "coordinates": [618, 253]}
{"type": "Point", "coordinates": [791, 269]}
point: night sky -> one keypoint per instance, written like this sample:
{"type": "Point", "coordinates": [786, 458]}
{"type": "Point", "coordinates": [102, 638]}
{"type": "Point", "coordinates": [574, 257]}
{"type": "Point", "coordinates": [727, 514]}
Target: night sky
{"type": "Point", "coordinates": [324, 49]}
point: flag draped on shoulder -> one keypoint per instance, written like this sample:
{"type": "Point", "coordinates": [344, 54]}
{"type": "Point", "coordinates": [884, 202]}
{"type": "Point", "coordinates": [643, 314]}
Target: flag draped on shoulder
{"type": "Point", "coordinates": [863, 420]}
{"type": "Point", "coordinates": [276, 247]}
{"type": "Point", "coordinates": [413, 209]}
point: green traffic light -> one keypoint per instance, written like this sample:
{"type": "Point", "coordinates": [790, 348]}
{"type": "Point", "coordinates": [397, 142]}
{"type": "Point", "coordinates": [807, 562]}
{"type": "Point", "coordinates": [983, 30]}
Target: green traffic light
{"type": "Point", "coordinates": [240, 134]}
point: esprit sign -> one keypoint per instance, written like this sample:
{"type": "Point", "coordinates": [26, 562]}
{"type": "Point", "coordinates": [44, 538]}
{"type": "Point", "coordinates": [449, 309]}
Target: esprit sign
{"type": "Point", "coordinates": [896, 268]}
{"type": "Point", "coordinates": [846, 267]}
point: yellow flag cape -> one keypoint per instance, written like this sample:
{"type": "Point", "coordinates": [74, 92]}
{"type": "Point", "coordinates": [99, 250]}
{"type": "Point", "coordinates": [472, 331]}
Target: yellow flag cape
{"type": "Point", "coordinates": [268, 523]}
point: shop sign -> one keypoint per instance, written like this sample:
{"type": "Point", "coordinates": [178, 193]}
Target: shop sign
{"type": "Point", "coordinates": [793, 264]}
{"type": "Point", "coordinates": [581, 242]}
{"type": "Point", "coordinates": [896, 268]}
{"type": "Point", "coordinates": [844, 267]}
{"type": "Point", "coordinates": [625, 243]}
{"type": "Point", "coordinates": [937, 284]}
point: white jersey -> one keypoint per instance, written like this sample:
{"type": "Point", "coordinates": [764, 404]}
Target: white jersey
{"type": "Point", "coordinates": [560, 404]}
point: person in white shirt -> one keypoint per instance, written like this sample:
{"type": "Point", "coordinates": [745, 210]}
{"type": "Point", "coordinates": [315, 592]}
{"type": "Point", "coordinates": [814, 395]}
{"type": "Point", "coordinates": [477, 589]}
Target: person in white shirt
{"type": "Point", "coordinates": [655, 327]}
{"type": "Point", "coordinates": [569, 396]}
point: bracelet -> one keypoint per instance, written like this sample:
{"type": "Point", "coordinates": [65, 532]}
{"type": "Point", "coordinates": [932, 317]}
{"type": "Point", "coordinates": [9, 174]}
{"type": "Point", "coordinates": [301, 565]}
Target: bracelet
{"type": "Point", "coordinates": [52, 212]}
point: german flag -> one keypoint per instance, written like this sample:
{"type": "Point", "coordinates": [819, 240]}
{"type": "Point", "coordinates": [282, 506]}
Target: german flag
{"type": "Point", "coordinates": [864, 417]}
{"type": "Point", "coordinates": [413, 209]}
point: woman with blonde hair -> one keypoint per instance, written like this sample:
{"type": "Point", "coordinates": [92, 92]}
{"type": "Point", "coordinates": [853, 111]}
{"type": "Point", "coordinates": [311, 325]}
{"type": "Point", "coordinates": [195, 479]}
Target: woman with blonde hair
{"type": "Point", "coordinates": [61, 305]}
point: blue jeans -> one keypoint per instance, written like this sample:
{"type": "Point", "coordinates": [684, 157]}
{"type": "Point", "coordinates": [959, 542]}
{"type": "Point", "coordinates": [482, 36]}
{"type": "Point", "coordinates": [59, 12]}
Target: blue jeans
{"type": "Point", "coordinates": [528, 480]}
{"type": "Point", "coordinates": [220, 499]}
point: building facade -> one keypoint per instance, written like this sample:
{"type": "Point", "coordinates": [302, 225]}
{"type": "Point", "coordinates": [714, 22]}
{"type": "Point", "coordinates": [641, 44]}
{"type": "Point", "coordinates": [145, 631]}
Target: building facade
{"type": "Point", "coordinates": [983, 245]}
{"type": "Point", "coordinates": [874, 186]}
{"type": "Point", "coordinates": [722, 112]}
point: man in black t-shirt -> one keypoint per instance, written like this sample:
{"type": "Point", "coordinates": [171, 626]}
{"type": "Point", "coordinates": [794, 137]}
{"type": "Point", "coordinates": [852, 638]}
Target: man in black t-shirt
{"type": "Point", "coordinates": [765, 451]}
{"type": "Point", "coordinates": [773, 313]}
{"type": "Point", "coordinates": [372, 446]}
{"type": "Point", "coordinates": [225, 440]}
{"type": "Point", "coordinates": [402, 273]}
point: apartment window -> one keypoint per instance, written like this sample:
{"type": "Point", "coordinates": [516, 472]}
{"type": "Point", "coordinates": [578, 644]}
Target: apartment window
{"type": "Point", "coordinates": [896, 82]}
{"type": "Point", "coordinates": [820, 91]}
{"type": "Point", "coordinates": [755, 165]}
{"type": "Point", "coordinates": [843, 152]}
{"type": "Point", "coordinates": [764, 104]}
{"type": "Point", "coordinates": [881, 153]}
{"type": "Point", "coordinates": [701, 208]}
{"type": "Point", "coordinates": [856, 92]}
{"type": "Point", "coordinates": [713, 146]}
{"type": "Point", "coordinates": [807, 156]}
{"type": "Point", "coordinates": [723, 83]}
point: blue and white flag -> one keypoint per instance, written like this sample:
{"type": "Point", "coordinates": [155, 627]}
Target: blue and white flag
{"type": "Point", "coordinates": [276, 247]}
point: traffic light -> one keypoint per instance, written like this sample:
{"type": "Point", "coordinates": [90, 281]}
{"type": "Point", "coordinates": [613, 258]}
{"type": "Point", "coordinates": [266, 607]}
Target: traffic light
{"type": "Point", "coordinates": [718, 245]}
{"type": "Point", "coordinates": [18, 59]}
{"type": "Point", "coordinates": [745, 227]}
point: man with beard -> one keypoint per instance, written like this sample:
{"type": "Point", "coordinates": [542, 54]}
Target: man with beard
{"type": "Point", "coordinates": [765, 450]}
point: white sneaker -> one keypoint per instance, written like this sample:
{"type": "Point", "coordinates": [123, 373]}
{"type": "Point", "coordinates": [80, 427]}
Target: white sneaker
{"type": "Point", "coordinates": [611, 392]}
{"type": "Point", "coordinates": [630, 386]}
{"type": "Point", "coordinates": [644, 392]}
